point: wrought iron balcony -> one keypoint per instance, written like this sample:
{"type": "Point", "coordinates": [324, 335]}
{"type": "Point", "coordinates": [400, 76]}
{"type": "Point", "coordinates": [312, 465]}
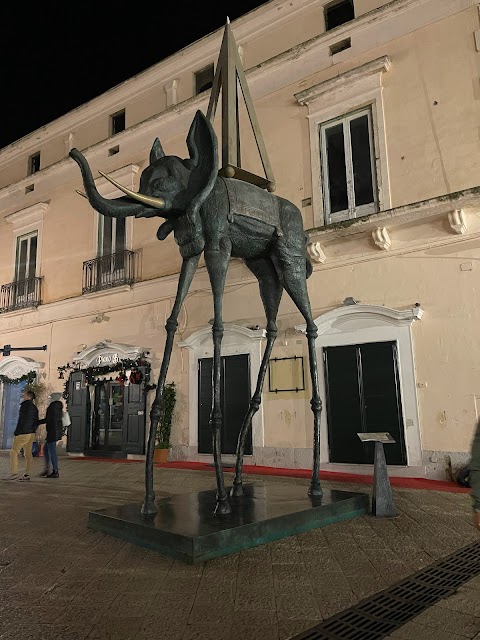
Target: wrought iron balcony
{"type": "Point", "coordinates": [106, 272]}
{"type": "Point", "coordinates": [21, 294]}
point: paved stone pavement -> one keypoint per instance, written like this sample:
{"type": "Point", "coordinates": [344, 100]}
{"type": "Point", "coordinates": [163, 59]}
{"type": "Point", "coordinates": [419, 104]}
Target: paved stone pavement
{"type": "Point", "coordinates": [60, 580]}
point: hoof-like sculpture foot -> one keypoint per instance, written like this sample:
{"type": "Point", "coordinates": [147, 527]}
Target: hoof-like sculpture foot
{"type": "Point", "coordinates": [223, 507]}
{"type": "Point", "coordinates": [149, 509]}
{"type": "Point", "coordinates": [315, 490]}
{"type": "Point", "coordinates": [237, 490]}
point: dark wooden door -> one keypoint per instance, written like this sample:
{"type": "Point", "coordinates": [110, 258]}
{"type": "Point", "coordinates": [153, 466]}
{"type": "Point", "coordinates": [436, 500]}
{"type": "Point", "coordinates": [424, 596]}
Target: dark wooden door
{"type": "Point", "coordinates": [79, 410]}
{"type": "Point", "coordinates": [235, 399]}
{"type": "Point", "coordinates": [134, 428]}
{"type": "Point", "coordinates": [363, 395]}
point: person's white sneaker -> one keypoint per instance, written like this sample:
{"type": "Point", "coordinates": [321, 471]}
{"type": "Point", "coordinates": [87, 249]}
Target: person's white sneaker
{"type": "Point", "coordinates": [25, 478]}
{"type": "Point", "coordinates": [13, 476]}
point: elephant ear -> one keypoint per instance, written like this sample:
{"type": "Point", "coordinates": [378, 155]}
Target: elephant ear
{"type": "Point", "coordinates": [203, 164]}
{"type": "Point", "coordinates": [156, 152]}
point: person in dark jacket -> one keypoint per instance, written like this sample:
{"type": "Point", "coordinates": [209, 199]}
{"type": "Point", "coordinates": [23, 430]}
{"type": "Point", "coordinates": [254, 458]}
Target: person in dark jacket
{"type": "Point", "coordinates": [24, 435]}
{"type": "Point", "coordinates": [54, 423]}
{"type": "Point", "coordinates": [474, 477]}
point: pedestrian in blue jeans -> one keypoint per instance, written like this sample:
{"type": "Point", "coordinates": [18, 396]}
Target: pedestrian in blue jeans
{"type": "Point", "coordinates": [54, 424]}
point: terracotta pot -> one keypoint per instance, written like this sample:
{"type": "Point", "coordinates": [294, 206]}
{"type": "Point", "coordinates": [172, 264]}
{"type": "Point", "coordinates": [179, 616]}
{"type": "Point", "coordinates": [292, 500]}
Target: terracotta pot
{"type": "Point", "coordinates": [160, 455]}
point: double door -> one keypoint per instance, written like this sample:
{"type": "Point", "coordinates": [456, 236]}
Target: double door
{"type": "Point", "coordinates": [107, 418]}
{"type": "Point", "coordinates": [363, 395]}
{"type": "Point", "coordinates": [235, 399]}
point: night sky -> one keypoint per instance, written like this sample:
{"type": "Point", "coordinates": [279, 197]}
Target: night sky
{"type": "Point", "coordinates": [55, 59]}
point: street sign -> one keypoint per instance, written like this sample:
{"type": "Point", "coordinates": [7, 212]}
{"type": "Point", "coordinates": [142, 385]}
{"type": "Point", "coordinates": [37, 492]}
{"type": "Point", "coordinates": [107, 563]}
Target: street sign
{"type": "Point", "coordinates": [7, 349]}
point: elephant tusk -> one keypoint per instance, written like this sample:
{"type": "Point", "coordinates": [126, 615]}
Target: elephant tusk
{"type": "Point", "coordinates": [157, 203]}
{"type": "Point", "coordinates": [80, 193]}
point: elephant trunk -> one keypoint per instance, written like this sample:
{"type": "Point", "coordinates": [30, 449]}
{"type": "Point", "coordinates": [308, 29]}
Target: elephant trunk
{"type": "Point", "coordinates": [116, 208]}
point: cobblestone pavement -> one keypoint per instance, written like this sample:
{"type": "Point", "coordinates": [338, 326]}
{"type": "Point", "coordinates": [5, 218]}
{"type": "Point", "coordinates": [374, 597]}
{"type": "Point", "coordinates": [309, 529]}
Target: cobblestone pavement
{"type": "Point", "coordinates": [60, 580]}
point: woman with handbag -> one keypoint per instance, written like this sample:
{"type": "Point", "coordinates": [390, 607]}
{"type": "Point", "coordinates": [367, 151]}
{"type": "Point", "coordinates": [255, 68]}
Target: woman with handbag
{"type": "Point", "coordinates": [54, 423]}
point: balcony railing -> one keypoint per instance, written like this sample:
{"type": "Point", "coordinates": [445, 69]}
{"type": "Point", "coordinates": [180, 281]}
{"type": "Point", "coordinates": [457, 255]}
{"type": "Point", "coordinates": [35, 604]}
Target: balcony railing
{"type": "Point", "coordinates": [106, 272]}
{"type": "Point", "coordinates": [21, 294]}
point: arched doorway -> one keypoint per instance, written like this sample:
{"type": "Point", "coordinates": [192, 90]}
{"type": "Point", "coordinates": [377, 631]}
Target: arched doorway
{"type": "Point", "coordinates": [367, 383]}
{"type": "Point", "coordinates": [108, 414]}
{"type": "Point", "coordinates": [13, 368]}
{"type": "Point", "coordinates": [241, 358]}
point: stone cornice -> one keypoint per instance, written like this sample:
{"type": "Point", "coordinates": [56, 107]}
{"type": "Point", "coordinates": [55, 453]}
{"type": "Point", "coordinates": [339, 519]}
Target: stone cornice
{"type": "Point", "coordinates": [198, 338]}
{"type": "Point", "coordinates": [377, 315]}
{"type": "Point", "coordinates": [467, 200]}
{"type": "Point", "coordinates": [377, 66]}
{"type": "Point", "coordinates": [88, 357]}
{"type": "Point", "coordinates": [458, 214]}
{"type": "Point", "coordinates": [29, 215]}
{"type": "Point", "coordinates": [16, 366]}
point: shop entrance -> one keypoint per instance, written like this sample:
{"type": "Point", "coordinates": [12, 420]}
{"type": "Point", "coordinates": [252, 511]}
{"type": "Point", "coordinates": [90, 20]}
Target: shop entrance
{"type": "Point", "coordinates": [108, 418]}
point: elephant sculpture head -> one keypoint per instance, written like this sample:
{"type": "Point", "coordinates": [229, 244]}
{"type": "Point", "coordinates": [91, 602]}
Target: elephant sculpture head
{"type": "Point", "coordinates": [170, 187]}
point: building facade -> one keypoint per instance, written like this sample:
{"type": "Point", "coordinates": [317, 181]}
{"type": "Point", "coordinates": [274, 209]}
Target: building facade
{"type": "Point", "coordinates": [369, 110]}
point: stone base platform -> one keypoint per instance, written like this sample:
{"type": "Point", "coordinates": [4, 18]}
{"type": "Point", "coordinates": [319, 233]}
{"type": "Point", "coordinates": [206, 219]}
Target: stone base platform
{"type": "Point", "coordinates": [186, 528]}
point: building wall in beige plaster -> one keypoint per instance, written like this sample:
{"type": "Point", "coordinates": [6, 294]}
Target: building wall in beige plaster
{"type": "Point", "coordinates": [432, 149]}
{"type": "Point", "coordinates": [364, 6]}
{"type": "Point", "coordinates": [443, 340]}
{"type": "Point", "coordinates": [284, 37]}
{"type": "Point", "coordinates": [147, 105]}
{"type": "Point", "coordinates": [13, 171]}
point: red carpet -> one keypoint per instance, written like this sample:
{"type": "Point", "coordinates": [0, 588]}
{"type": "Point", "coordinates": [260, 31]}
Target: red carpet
{"type": "Point", "coordinates": [406, 483]}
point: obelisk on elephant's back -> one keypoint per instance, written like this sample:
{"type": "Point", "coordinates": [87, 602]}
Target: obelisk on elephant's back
{"type": "Point", "coordinates": [229, 76]}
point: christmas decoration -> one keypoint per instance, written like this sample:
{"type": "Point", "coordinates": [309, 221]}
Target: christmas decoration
{"type": "Point", "coordinates": [28, 378]}
{"type": "Point", "coordinates": [136, 376]}
{"type": "Point", "coordinates": [93, 373]}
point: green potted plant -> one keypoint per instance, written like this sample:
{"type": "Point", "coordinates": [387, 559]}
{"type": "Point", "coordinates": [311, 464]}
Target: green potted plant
{"type": "Point", "coordinates": [164, 429]}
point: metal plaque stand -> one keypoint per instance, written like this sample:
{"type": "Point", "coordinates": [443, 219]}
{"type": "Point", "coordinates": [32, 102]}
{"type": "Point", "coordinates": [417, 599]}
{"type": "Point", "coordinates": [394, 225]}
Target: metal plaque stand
{"type": "Point", "coordinates": [383, 505]}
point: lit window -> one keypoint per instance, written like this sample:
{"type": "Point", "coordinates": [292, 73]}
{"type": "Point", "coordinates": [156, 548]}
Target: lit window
{"type": "Point", "coordinates": [117, 122]}
{"type": "Point", "coordinates": [204, 79]}
{"type": "Point", "coordinates": [111, 247]}
{"type": "Point", "coordinates": [337, 13]}
{"type": "Point", "coordinates": [348, 169]}
{"type": "Point", "coordinates": [25, 268]}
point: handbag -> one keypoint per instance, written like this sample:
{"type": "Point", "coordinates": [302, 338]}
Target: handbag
{"type": "Point", "coordinates": [66, 422]}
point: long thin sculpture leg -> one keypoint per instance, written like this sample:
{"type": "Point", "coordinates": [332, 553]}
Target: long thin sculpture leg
{"type": "Point", "coordinates": [316, 404]}
{"type": "Point", "coordinates": [186, 275]}
{"type": "Point", "coordinates": [216, 261]}
{"type": "Point", "coordinates": [295, 282]}
{"type": "Point", "coordinates": [271, 293]}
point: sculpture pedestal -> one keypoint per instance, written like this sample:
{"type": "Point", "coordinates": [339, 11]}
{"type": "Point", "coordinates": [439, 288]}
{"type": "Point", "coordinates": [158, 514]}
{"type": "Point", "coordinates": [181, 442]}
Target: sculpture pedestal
{"type": "Point", "coordinates": [186, 528]}
{"type": "Point", "coordinates": [383, 505]}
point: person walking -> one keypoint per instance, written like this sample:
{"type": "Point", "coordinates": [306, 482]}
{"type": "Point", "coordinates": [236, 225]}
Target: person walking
{"type": "Point", "coordinates": [24, 436]}
{"type": "Point", "coordinates": [474, 477]}
{"type": "Point", "coordinates": [54, 423]}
